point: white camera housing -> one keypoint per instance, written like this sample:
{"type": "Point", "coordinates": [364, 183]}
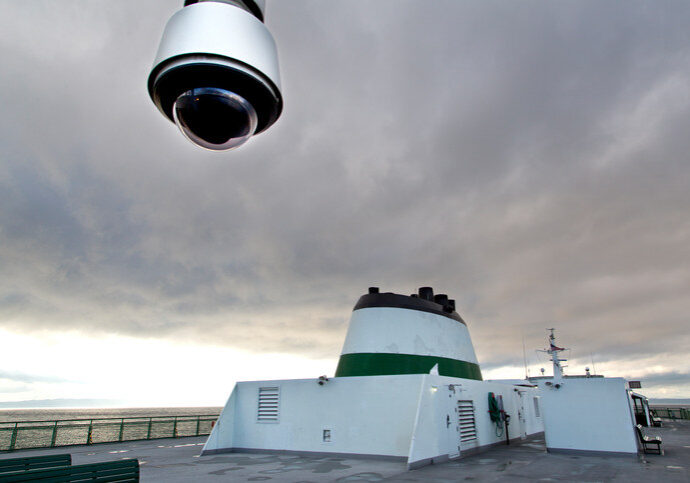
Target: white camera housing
{"type": "Point", "coordinates": [216, 73]}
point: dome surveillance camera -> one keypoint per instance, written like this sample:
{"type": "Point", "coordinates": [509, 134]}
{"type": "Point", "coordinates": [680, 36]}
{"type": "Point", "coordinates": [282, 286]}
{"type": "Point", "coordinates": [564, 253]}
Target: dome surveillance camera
{"type": "Point", "coordinates": [216, 73]}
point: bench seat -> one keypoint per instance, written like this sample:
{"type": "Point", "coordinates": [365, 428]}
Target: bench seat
{"type": "Point", "coordinates": [126, 470]}
{"type": "Point", "coordinates": [648, 441]}
{"type": "Point", "coordinates": [35, 462]}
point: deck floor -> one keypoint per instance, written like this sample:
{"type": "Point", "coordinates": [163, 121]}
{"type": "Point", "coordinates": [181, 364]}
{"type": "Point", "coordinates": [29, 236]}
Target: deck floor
{"type": "Point", "coordinates": [178, 460]}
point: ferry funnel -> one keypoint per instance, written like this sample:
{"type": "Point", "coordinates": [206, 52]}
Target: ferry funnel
{"type": "Point", "coordinates": [399, 334]}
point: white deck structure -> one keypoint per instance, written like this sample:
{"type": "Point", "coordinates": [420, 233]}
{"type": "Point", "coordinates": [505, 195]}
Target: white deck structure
{"type": "Point", "coordinates": [587, 414]}
{"type": "Point", "coordinates": [408, 387]}
{"type": "Point", "coordinates": [415, 418]}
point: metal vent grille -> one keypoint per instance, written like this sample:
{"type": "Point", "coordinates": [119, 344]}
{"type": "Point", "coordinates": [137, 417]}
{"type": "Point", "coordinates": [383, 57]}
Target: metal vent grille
{"type": "Point", "coordinates": [468, 429]}
{"type": "Point", "coordinates": [269, 399]}
{"type": "Point", "coordinates": [536, 407]}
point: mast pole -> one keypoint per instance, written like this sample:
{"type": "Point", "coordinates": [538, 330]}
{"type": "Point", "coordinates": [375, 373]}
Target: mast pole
{"type": "Point", "coordinates": [524, 357]}
{"type": "Point", "coordinates": [554, 351]}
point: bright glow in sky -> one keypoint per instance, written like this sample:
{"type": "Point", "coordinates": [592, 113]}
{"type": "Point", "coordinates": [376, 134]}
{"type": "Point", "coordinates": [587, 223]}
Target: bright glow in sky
{"type": "Point", "coordinates": [137, 372]}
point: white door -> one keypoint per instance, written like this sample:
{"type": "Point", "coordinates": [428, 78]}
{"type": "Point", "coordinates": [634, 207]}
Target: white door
{"type": "Point", "coordinates": [452, 433]}
{"type": "Point", "coordinates": [522, 421]}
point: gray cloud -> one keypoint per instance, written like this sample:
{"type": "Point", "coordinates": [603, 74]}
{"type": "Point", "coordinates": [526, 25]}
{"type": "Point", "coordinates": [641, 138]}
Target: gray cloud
{"type": "Point", "coordinates": [30, 378]}
{"type": "Point", "coordinates": [673, 378]}
{"type": "Point", "coordinates": [528, 159]}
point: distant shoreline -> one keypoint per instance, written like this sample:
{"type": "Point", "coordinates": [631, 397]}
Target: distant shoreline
{"type": "Point", "coordinates": [99, 408]}
{"type": "Point", "coordinates": [669, 402]}
{"type": "Point", "coordinates": [81, 404]}
{"type": "Point", "coordinates": [74, 414]}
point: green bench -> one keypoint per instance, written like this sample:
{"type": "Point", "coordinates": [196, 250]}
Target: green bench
{"type": "Point", "coordinates": [126, 470]}
{"type": "Point", "coordinates": [34, 463]}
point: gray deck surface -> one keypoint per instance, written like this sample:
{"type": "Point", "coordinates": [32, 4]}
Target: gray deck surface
{"type": "Point", "coordinates": [178, 460]}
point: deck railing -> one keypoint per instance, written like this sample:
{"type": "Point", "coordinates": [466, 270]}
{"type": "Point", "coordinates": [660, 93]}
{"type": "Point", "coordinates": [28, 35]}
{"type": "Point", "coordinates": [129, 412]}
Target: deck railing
{"type": "Point", "coordinates": [671, 413]}
{"type": "Point", "coordinates": [67, 432]}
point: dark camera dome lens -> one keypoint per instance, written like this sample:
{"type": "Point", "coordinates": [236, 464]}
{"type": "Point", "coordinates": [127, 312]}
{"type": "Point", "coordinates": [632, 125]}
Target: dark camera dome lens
{"type": "Point", "coordinates": [214, 119]}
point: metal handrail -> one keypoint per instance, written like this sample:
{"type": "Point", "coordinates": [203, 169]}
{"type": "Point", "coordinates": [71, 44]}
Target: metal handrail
{"type": "Point", "coordinates": [111, 418]}
{"type": "Point", "coordinates": [671, 412]}
{"type": "Point", "coordinates": [46, 432]}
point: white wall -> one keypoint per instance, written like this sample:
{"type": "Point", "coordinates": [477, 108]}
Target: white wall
{"type": "Point", "coordinates": [403, 416]}
{"type": "Point", "coordinates": [223, 432]}
{"type": "Point", "coordinates": [433, 437]}
{"type": "Point", "coordinates": [365, 415]}
{"type": "Point", "coordinates": [587, 414]}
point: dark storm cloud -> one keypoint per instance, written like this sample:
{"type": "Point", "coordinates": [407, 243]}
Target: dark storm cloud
{"type": "Point", "coordinates": [530, 159]}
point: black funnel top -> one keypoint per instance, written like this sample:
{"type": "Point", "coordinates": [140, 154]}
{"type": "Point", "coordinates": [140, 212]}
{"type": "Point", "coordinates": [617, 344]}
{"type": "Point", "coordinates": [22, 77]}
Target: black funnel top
{"type": "Point", "coordinates": [426, 293]}
{"type": "Point", "coordinates": [424, 302]}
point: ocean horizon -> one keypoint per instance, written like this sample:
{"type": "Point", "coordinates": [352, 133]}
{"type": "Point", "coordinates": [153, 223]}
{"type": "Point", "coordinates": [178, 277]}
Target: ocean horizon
{"type": "Point", "coordinates": [66, 413]}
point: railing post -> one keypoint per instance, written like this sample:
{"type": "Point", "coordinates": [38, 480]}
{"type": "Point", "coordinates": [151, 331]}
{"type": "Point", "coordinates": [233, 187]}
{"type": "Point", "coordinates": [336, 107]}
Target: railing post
{"type": "Point", "coordinates": [89, 437]}
{"type": "Point", "coordinates": [198, 421]}
{"type": "Point", "coordinates": [175, 428]}
{"type": "Point", "coordinates": [13, 440]}
{"type": "Point", "coordinates": [122, 429]}
{"type": "Point", "coordinates": [148, 433]}
{"type": "Point", "coordinates": [52, 440]}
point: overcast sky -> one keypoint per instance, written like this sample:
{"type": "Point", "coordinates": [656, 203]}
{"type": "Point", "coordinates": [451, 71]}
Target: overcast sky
{"type": "Point", "coordinates": [530, 159]}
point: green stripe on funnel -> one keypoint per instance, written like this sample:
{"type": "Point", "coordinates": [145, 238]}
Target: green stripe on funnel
{"type": "Point", "coordinates": [377, 364]}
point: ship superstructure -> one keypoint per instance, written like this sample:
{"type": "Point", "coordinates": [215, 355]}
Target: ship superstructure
{"type": "Point", "coordinates": [585, 413]}
{"type": "Point", "coordinates": [408, 386]}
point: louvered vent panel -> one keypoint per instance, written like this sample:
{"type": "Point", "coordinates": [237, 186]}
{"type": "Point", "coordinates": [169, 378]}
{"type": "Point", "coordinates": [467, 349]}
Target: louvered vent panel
{"type": "Point", "coordinates": [468, 429]}
{"type": "Point", "coordinates": [269, 399]}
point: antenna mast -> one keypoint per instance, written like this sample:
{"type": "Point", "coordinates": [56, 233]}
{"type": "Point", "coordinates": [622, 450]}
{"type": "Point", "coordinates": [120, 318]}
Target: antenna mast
{"type": "Point", "coordinates": [524, 357]}
{"type": "Point", "coordinates": [553, 351]}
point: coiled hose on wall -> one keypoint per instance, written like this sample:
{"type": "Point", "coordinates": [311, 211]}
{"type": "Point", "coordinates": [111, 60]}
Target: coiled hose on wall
{"type": "Point", "coordinates": [495, 414]}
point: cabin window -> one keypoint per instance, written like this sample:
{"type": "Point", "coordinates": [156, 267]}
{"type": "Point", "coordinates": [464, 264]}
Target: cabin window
{"type": "Point", "coordinates": [536, 407]}
{"type": "Point", "coordinates": [269, 405]}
